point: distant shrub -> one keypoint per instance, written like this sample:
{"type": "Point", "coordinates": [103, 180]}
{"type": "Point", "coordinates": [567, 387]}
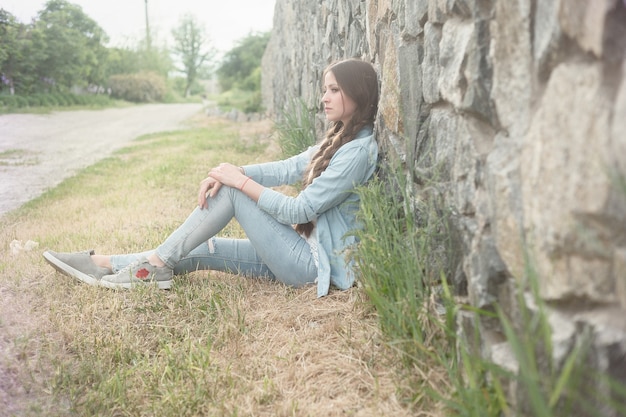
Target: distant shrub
{"type": "Point", "coordinates": [51, 100]}
{"type": "Point", "coordinates": [20, 102]}
{"type": "Point", "coordinates": [69, 99]}
{"type": "Point", "coordinates": [33, 101]}
{"type": "Point", "coordinates": [41, 99]}
{"type": "Point", "coordinates": [8, 101]}
{"type": "Point", "coordinates": [60, 99]}
{"type": "Point", "coordinates": [142, 87]}
{"type": "Point", "coordinates": [100, 100]}
{"type": "Point", "coordinates": [254, 104]}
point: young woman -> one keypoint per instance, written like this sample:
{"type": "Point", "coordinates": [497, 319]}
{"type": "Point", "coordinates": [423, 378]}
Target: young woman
{"type": "Point", "coordinates": [296, 240]}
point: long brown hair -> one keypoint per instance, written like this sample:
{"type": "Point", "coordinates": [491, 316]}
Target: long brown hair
{"type": "Point", "coordinates": [358, 80]}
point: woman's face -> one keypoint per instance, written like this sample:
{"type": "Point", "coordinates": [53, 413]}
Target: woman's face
{"type": "Point", "coordinates": [337, 105]}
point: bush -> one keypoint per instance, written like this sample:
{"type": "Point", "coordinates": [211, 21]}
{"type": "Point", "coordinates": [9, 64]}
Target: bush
{"type": "Point", "coordinates": [20, 102]}
{"type": "Point", "coordinates": [42, 99]}
{"type": "Point", "coordinates": [100, 100]}
{"type": "Point", "coordinates": [33, 101]}
{"type": "Point", "coordinates": [51, 100]}
{"type": "Point", "coordinates": [8, 101]}
{"type": "Point", "coordinates": [69, 99]}
{"type": "Point", "coordinates": [142, 87]}
{"type": "Point", "coordinates": [254, 104]}
{"type": "Point", "coordinates": [60, 99]}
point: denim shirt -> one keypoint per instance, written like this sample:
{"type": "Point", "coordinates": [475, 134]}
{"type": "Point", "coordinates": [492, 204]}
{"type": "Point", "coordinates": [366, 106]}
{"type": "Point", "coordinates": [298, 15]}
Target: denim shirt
{"type": "Point", "coordinates": [329, 200]}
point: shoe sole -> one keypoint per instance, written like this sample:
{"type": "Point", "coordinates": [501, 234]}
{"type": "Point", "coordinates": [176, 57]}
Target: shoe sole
{"type": "Point", "coordinates": [163, 285]}
{"type": "Point", "coordinates": [65, 269]}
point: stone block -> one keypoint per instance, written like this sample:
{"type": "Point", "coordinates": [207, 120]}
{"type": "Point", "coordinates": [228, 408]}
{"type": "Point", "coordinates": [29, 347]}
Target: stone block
{"type": "Point", "coordinates": [584, 21]}
{"type": "Point", "coordinates": [415, 13]}
{"type": "Point", "coordinates": [390, 95]}
{"type": "Point", "coordinates": [430, 66]}
{"type": "Point", "coordinates": [444, 123]}
{"type": "Point", "coordinates": [410, 76]}
{"type": "Point", "coordinates": [619, 274]}
{"type": "Point", "coordinates": [485, 272]}
{"type": "Point", "coordinates": [478, 75]}
{"type": "Point", "coordinates": [437, 11]}
{"type": "Point", "coordinates": [618, 126]}
{"type": "Point", "coordinates": [547, 35]}
{"type": "Point", "coordinates": [504, 189]}
{"type": "Point", "coordinates": [564, 188]}
{"type": "Point", "coordinates": [456, 35]}
{"type": "Point", "coordinates": [511, 57]}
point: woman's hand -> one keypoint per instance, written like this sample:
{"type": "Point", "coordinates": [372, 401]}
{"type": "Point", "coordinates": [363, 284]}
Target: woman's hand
{"type": "Point", "coordinates": [208, 187]}
{"type": "Point", "coordinates": [228, 174]}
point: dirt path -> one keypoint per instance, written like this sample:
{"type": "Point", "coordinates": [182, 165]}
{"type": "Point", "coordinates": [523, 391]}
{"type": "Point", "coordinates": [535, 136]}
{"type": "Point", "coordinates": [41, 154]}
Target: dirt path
{"type": "Point", "coordinates": [39, 151]}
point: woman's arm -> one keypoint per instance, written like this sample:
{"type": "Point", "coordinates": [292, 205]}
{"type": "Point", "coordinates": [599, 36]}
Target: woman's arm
{"type": "Point", "coordinates": [285, 172]}
{"type": "Point", "coordinates": [256, 177]}
{"type": "Point", "coordinates": [348, 168]}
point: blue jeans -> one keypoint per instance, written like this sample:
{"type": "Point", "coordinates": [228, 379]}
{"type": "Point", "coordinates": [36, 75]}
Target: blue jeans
{"type": "Point", "coordinates": [273, 249]}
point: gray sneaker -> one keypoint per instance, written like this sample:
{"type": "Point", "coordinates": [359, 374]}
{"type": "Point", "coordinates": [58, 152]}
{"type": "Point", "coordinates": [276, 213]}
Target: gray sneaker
{"type": "Point", "coordinates": [77, 265]}
{"type": "Point", "coordinates": [138, 273]}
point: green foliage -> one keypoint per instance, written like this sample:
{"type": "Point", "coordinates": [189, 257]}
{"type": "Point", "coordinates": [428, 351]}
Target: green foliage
{"type": "Point", "coordinates": [240, 67]}
{"type": "Point", "coordinates": [63, 49]}
{"type": "Point", "coordinates": [140, 88]}
{"type": "Point", "coordinates": [192, 48]}
{"type": "Point", "coordinates": [401, 259]}
{"type": "Point", "coordinates": [18, 56]}
{"type": "Point", "coordinates": [71, 46]}
{"type": "Point", "coordinates": [296, 127]}
{"type": "Point", "coordinates": [123, 61]}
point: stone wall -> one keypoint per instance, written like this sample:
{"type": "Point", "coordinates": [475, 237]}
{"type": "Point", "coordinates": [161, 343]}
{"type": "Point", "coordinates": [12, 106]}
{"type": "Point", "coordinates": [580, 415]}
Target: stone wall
{"type": "Point", "coordinates": [522, 105]}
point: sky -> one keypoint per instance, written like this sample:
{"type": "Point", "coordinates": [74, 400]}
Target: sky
{"type": "Point", "coordinates": [226, 21]}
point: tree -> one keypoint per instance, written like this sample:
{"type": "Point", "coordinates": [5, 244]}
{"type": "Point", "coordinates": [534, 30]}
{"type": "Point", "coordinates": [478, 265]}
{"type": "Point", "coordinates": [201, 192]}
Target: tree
{"type": "Point", "coordinates": [72, 45]}
{"type": "Point", "coordinates": [192, 48]}
{"type": "Point", "coordinates": [241, 65]}
{"type": "Point", "coordinates": [9, 50]}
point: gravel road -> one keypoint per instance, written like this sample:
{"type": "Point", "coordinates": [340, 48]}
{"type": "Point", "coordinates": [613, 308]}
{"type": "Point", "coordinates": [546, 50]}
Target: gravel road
{"type": "Point", "coordinates": [37, 152]}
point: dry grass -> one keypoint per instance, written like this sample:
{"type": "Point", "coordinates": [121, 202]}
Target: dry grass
{"type": "Point", "coordinates": [215, 344]}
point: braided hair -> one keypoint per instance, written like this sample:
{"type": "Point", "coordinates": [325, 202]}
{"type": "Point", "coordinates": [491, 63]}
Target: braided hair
{"type": "Point", "coordinates": [358, 80]}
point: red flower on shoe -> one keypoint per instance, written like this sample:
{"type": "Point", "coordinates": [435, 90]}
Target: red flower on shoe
{"type": "Point", "coordinates": [142, 273]}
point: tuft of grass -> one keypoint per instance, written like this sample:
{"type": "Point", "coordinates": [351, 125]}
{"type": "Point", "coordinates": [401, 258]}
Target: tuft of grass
{"type": "Point", "coordinates": [296, 127]}
{"type": "Point", "coordinates": [17, 157]}
{"type": "Point", "coordinates": [401, 259]}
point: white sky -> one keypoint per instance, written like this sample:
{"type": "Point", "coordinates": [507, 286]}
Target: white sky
{"type": "Point", "coordinates": [226, 21]}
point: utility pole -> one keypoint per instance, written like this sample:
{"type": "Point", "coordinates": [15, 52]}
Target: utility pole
{"type": "Point", "coordinates": [148, 43]}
